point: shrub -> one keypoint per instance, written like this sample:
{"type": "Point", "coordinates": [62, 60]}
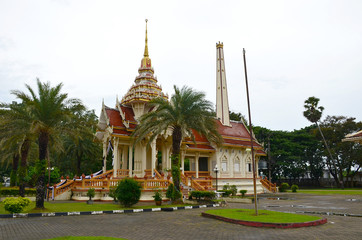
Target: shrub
{"type": "Point", "coordinates": [15, 205]}
{"type": "Point", "coordinates": [294, 188]}
{"type": "Point", "coordinates": [15, 191]}
{"type": "Point", "coordinates": [283, 187]}
{"type": "Point", "coordinates": [243, 192]}
{"type": "Point", "coordinates": [157, 196]}
{"type": "Point", "coordinates": [202, 194]}
{"type": "Point", "coordinates": [112, 193]}
{"type": "Point", "coordinates": [172, 193]}
{"type": "Point", "coordinates": [233, 189]}
{"type": "Point", "coordinates": [128, 192]}
{"type": "Point", "coordinates": [226, 193]}
{"type": "Point", "coordinates": [226, 187]}
{"type": "Point", "coordinates": [91, 193]}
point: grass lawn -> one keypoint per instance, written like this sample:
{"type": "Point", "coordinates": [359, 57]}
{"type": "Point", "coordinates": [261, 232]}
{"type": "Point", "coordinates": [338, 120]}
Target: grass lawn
{"type": "Point", "coordinates": [264, 216]}
{"type": "Point", "coordinates": [346, 191]}
{"type": "Point", "coordinates": [86, 238]}
{"type": "Point", "coordinates": [78, 207]}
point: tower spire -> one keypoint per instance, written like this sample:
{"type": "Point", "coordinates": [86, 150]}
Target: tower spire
{"type": "Point", "coordinates": [146, 43]}
{"type": "Point", "coordinates": [222, 102]}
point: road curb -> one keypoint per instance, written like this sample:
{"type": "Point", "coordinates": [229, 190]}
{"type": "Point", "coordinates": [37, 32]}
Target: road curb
{"type": "Point", "coordinates": [55, 214]}
{"type": "Point", "coordinates": [269, 225]}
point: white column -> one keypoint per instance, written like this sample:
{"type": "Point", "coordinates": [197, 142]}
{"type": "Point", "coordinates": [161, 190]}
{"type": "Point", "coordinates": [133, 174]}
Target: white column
{"type": "Point", "coordinates": [130, 154]}
{"type": "Point", "coordinates": [116, 157]}
{"type": "Point", "coordinates": [197, 164]}
{"type": "Point", "coordinates": [183, 161]}
{"type": "Point", "coordinates": [153, 157]}
{"type": "Point", "coordinates": [105, 143]}
{"type": "Point", "coordinates": [124, 156]}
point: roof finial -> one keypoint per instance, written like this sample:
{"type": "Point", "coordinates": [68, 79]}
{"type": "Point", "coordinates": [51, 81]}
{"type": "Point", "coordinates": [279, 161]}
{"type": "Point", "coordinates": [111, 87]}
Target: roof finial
{"type": "Point", "coordinates": [146, 45]}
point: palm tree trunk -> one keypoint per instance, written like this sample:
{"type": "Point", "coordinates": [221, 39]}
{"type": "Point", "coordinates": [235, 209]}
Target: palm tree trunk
{"type": "Point", "coordinates": [176, 145]}
{"type": "Point", "coordinates": [40, 186]}
{"type": "Point", "coordinates": [23, 166]}
{"type": "Point", "coordinates": [14, 170]}
{"type": "Point", "coordinates": [332, 160]}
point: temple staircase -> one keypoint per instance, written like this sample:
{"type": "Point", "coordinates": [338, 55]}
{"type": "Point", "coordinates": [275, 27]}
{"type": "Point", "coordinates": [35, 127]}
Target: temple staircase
{"type": "Point", "coordinates": [269, 186]}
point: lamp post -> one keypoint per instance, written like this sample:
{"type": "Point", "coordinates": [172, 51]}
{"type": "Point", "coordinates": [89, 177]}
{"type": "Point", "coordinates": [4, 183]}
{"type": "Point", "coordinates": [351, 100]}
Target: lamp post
{"type": "Point", "coordinates": [216, 170]}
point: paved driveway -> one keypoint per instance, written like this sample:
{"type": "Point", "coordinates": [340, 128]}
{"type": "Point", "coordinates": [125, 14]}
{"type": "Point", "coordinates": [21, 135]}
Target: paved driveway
{"type": "Point", "coordinates": [188, 224]}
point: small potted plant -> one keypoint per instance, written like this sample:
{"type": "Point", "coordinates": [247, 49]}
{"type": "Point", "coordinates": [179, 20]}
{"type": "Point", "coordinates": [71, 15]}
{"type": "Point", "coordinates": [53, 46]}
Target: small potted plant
{"type": "Point", "coordinates": [158, 197]}
{"type": "Point", "coordinates": [91, 193]}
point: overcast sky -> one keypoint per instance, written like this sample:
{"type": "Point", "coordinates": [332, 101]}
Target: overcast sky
{"type": "Point", "coordinates": [294, 50]}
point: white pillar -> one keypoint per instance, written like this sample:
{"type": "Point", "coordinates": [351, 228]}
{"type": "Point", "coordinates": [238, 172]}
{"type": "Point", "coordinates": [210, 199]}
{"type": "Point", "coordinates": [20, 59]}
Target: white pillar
{"type": "Point", "coordinates": [116, 157]}
{"type": "Point", "coordinates": [124, 156]}
{"type": "Point", "coordinates": [130, 154]}
{"type": "Point", "coordinates": [105, 143]}
{"type": "Point", "coordinates": [153, 157]}
{"type": "Point", "coordinates": [183, 161]}
{"type": "Point", "coordinates": [197, 164]}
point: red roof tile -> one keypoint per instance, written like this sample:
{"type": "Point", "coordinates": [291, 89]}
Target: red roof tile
{"type": "Point", "coordinates": [200, 146]}
{"type": "Point", "coordinates": [128, 113]}
{"type": "Point", "coordinates": [236, 130]}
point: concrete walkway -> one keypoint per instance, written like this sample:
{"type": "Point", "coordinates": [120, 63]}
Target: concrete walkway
{"type": "Point", "coordinates": [188, 224]}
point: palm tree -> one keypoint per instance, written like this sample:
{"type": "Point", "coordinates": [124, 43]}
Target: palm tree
{"type": "Point", "coordinates": [314, 113]}
{"type": "Point", "coordinates": [186, 111]}
{"type": "Point", "coordinates": [50, 111]}
{"type": "Point", "coordinates": [17, 137]}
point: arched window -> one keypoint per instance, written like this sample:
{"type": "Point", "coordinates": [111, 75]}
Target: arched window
{"type": "Point", "coordinates": [236, 164]}
{"type": "Point", "coordinates": [224, 164]}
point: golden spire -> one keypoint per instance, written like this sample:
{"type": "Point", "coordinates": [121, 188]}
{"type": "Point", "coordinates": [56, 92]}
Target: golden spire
{"type": "Point", "coordinates": [146, 45]}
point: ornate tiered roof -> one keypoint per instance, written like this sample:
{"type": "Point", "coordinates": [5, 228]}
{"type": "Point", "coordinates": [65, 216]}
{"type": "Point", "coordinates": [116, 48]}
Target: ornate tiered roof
{"type": "Point", "coordinates": [145, 87]}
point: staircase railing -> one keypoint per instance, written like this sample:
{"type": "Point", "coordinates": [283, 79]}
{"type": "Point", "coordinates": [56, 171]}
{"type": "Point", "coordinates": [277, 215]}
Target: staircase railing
{"type": "Point", "coordinates": [157, 174]}
{"type": "Point", "coordinates": [272, 187]}
{"type": "Point", "coordinates": [195, 185]}
{"type": "Point", "coordinates": [103, 174]}
{"type": "Point", "coordinates": [184, 179]}
{"type": "Point", "coordinates": [122, 173]}
{"type": "Point", "coordinates": [67, 186]}
{"type": "Point", "coordinates": [206, 184]}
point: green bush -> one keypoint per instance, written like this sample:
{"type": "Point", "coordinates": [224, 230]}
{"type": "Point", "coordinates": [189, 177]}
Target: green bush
{"type": "Point", "coordinates": [15, 205]}
{"type": "Point", "coordinates": [128, 192]}
{"type": "Point", "coordinates": [202, 194]}
{"type": "Point", "coordinates": [283, 187]}
{"type": "Point", "coordinates": [226, 193]}
{"type": "Point", "coordinates": [112, 193]}
{"type": "Point", "coordinates": [14, 191]}
{"type": "Point", "coordinates": [243, 192]}
{"type": "Point", "coordinates": [172, 193]}
{"type": "Point", "coordinates": [234, 190]}
{"type": "Point", "coordinates": [91, 193]}
{"type": "Point", "coordinates": [158, 195]}
{"type": "Point", "coordinates": [294, 188]}
{"type": "Point", "coordinates": [226, 187]}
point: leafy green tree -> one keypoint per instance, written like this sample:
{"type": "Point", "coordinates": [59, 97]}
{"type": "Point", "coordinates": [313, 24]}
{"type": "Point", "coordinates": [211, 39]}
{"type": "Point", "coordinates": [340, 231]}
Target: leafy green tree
{"type": "Point", "coordinates": [348, 155]}
{"type": "Point", "coordinates": [80, 148]}
{"type": "Point", "coordinates": [186, 111]}
{"type": "Point", "coordinates": [16, 138]}
{"type": "Point", "coordinates": [50, 111]}
{"type": "Point", "coordinates": [313, 113]}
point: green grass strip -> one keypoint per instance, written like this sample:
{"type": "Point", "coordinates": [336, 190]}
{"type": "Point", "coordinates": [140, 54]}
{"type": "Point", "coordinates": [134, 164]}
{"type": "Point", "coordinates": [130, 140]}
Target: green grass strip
{"type": "Point", "coordinates": [331, 191]}
{"type": "Point", "coordinates": [264, 216]}
{"type": "Point", "coordinates": [86, 238]}
{"type": "Point", "coordinates": [79, 207]}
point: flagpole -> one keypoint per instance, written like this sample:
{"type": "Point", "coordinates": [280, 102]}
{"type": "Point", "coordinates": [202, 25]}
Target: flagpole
{"type": "Point", "coordinates": [251, 136]}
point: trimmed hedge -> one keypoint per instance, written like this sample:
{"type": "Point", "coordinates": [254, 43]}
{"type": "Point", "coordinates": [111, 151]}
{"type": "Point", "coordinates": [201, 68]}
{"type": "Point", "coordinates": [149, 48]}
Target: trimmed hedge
{"type": "Point", "coordinates": [294, 188]}
{"type": "Point", "coordinates": [226, 193]}
{"type": "Point", "coordinates": [15, 191]}
{"type": "Point", "coordinates": [202, 194]}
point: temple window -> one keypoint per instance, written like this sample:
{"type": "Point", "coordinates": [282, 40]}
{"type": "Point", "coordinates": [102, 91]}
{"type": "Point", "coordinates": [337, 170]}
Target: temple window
{"type": "Point", "coordinates": [224, 164]}
{"type": "Point", "coordinates": [236, 164]}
